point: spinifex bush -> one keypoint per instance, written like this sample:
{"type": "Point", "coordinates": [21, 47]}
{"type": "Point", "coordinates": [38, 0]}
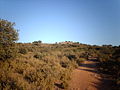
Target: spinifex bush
{"type": "Point", "coordinates": [23, 74]}
{"type": "Point", "coordinates": [38, 56]}
{"type": "Point", "coordinates": [8, 52]}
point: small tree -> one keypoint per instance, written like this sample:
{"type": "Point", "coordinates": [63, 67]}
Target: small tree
{"type": "Point", "coordinates": [8, 36]}
{"type": "Point", "coordinates": [37, 42]}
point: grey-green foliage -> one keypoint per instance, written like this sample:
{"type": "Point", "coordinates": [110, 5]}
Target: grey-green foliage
{"type": "Point", "coordinates": [8, 36]}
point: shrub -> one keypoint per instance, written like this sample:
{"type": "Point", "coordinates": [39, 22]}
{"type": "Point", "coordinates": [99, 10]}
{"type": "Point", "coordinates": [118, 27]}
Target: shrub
{"type": "Point", "coordinates": [9, 52]}
{"type": "Point", "coordinates": [8, 36]}
{"type": "Point", "coordinates": [80, 60]}
{"type": "Point", "coordinates": [65, 77]}
{"type": "Point", "coordinates": [23, 50]}
{"type": "Point", "coordinates": [38, 56]}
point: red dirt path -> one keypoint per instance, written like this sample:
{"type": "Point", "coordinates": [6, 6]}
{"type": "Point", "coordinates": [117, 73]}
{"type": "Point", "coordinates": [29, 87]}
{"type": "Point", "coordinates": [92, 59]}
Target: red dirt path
{"type": "Point", "coordinates": [86, 77]}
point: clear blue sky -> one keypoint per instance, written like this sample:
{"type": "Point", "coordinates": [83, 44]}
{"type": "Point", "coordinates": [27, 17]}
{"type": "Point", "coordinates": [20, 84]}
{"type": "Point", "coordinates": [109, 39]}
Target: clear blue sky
{"type": "Point", "coordinates": [86, 21]}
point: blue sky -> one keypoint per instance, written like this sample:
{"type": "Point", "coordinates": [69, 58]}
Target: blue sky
{"type": "Point", "coordinates": [86, 21]}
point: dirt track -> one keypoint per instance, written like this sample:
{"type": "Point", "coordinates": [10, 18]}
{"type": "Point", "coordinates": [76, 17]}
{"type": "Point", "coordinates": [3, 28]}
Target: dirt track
{"type": "Point", "coordinates": [86, 77]}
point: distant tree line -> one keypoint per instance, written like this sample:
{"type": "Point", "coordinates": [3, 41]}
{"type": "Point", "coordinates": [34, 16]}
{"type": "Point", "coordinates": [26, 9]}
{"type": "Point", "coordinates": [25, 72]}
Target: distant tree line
{"type": "Point", "coordinates": [39, 41]}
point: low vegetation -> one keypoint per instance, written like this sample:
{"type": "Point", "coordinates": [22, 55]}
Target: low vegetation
{"type": "Point", "coordinates": [109, 58]}
{"type": "Point", "coordinates": [37, 66]}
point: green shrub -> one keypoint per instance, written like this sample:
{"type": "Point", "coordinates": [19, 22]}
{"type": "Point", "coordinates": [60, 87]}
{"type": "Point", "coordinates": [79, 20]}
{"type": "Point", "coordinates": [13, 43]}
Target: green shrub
{"type": "Point", "coordinates": [23, 51]}
{"type": "Point", "coordinates": [9, 52]}
{"type": "Point", "coordinates": [65, 77]}
{"type": "Point", "coordinates": [8, 36]}
{"type": "Point", "coordinates": [110, 64]}
{"type": "Point", "coordinates": [38, 56]}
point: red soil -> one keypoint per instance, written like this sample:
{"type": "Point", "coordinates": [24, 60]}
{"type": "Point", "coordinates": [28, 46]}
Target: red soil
{"type": "Point", "coordinates": [86, 77]}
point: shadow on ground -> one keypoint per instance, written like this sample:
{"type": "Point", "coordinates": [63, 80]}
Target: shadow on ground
{"type": "Point", "coordinates": [105, 82]}
{"type": "Point", "coordinates": [89, 70]}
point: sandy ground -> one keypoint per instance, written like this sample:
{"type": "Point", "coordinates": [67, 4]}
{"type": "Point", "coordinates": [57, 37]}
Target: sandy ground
{"type": "Point", "coordinates": [86, 77]}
